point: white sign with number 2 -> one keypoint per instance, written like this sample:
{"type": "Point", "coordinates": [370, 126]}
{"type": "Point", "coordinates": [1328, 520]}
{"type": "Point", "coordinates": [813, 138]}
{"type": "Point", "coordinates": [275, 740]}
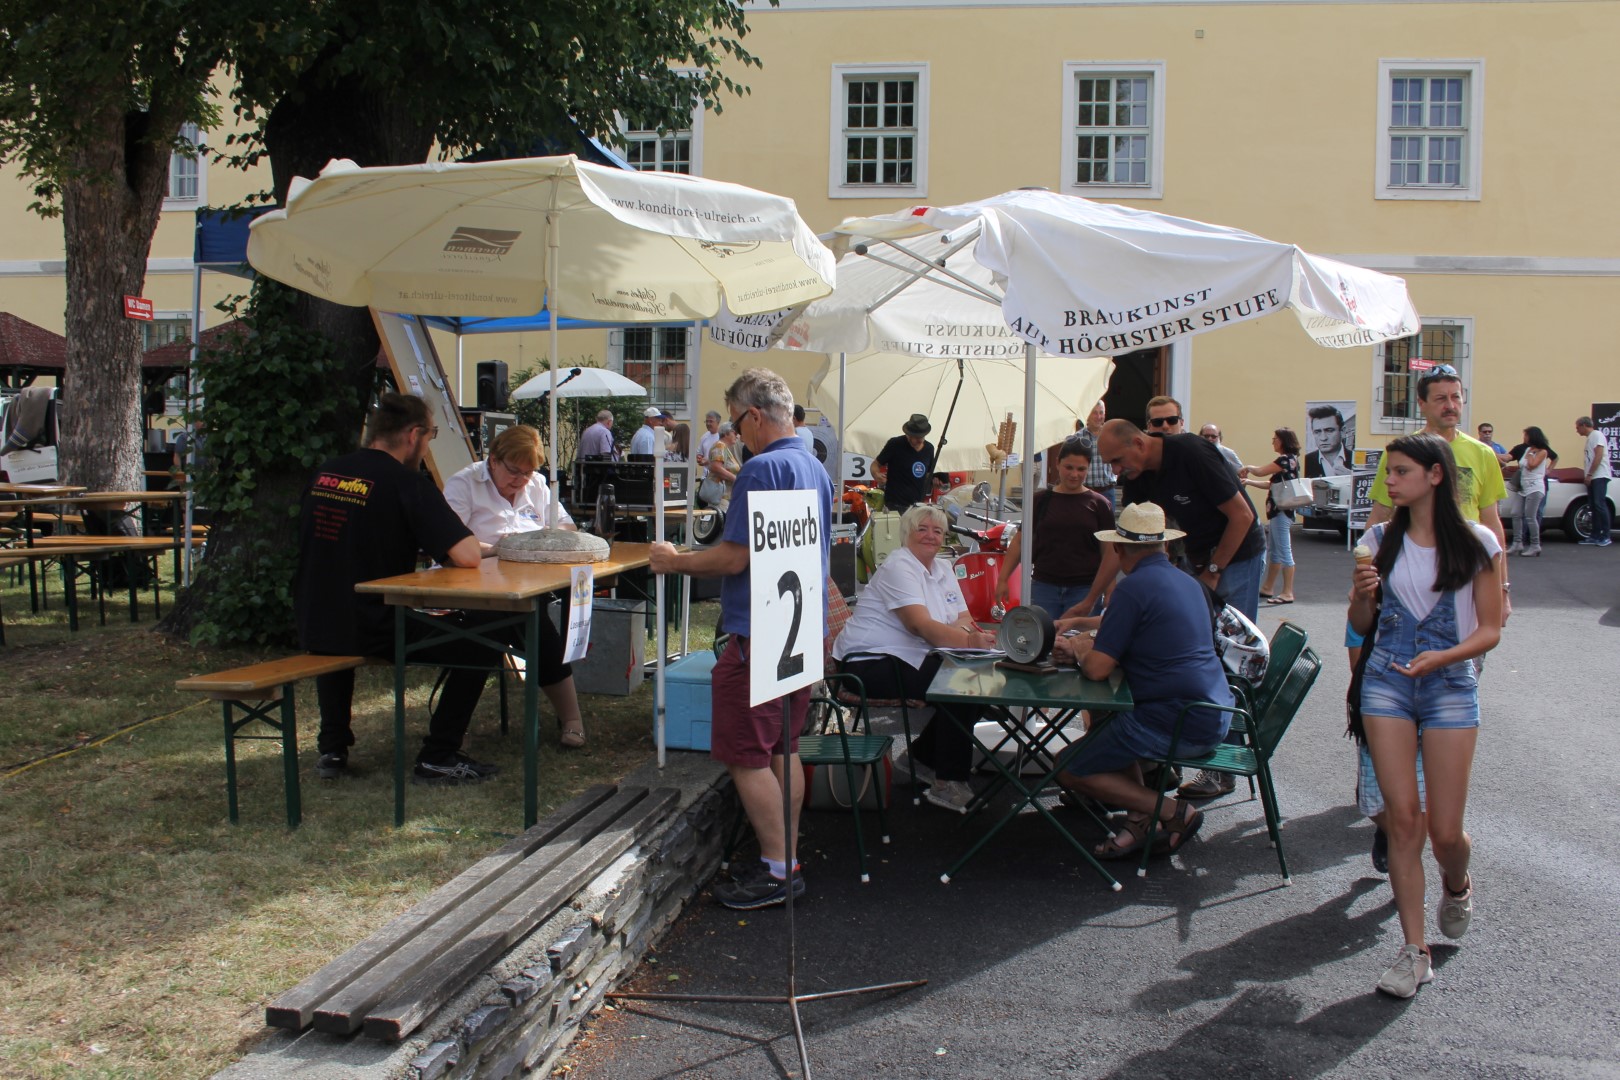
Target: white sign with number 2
{"type": "Point", "coordinates": [787, 605]}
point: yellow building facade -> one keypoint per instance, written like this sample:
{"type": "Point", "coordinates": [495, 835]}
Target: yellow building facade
{"type": "Point", "coordinates": [1458, 145]}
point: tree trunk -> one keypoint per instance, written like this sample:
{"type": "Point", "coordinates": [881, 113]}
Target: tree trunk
{"type": "Point", "coordinates": [109, 213]}
{"type": "Point", "coordinates": [302, 134]}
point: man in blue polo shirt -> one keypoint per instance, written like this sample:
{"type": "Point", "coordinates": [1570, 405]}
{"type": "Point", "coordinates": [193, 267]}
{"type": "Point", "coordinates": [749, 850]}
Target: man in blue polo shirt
{"type": "Point", "coordinates": [748, 740]}
{"type": "Point", "coordinates": [1158, 630]}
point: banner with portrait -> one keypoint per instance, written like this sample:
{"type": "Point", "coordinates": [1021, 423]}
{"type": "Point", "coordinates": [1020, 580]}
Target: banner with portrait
{"type": "Point", "coordinates": [1328, 439]}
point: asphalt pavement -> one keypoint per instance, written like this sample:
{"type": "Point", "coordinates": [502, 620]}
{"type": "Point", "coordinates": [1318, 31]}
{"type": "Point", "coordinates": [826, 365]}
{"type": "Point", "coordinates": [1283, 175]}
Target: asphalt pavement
{"type": "Point", "coordinates": [1209, 966]}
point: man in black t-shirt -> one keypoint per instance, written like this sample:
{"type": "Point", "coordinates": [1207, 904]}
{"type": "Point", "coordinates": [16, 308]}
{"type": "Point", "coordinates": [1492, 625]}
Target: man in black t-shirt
{"type": "Point", "coordinates": [1187, 476]}
{"type": "Point", "coordinates": [366, 515]}
{"type": "Point", "coordinates": [904, 464]}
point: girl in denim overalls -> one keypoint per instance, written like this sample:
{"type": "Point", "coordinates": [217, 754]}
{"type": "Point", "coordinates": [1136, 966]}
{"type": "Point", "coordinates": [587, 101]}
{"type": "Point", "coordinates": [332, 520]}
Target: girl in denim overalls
{"type": "Point", "coordinates": [1441, 606]}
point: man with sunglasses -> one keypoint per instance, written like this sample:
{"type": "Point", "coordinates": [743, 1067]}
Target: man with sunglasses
{"type": "Point", "coordinates": [1165, 416]}
{"type": "Point", "coordinates": [747, 740]}
{"type": "Point", "coordinates": [366, 515]}
{"type": "Point", "coordinates": [1190, 479]}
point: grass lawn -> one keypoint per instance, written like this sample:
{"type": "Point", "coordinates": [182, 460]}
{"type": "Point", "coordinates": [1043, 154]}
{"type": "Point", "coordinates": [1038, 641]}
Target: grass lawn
{"type": "Point", "coordinates": [141, 935]}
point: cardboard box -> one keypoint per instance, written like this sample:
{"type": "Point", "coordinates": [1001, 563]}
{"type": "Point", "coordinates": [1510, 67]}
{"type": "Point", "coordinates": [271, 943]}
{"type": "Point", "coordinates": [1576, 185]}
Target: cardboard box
{"type": "Point", "coordinates": [687, 710]}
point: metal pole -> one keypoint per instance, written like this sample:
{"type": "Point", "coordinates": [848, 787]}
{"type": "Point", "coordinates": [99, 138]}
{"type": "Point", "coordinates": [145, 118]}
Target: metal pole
{"type": "Point", "coordinates": [551, 313]}
{"type": "Point", "coordinates": [694, 369]}
{"type": "Point", "coordinates": [838, 467]}
{"type": "Point", "coordinates": [661, 632]}
{"type": "Point", "coordinates": [1026, 532]}
{"type": "Point", "coordinates": [191, 398]}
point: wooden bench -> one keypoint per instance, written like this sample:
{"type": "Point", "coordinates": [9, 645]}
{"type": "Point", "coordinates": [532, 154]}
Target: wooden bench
{"type": "Point", "coordinates": [253, 690]}
{"type": "Point", "coordinates": [389, 984]}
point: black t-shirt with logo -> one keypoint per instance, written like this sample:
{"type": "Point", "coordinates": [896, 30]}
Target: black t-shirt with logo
{"type": "Point", "coordinates": [365, 516]}
{"type": "Point", "coordinates": [908, 479]}
{"type": "Point", "coordinates": [1191, 483]}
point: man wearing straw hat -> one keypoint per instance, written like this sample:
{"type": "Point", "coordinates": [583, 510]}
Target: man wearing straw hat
{"type": "Point", "coordinates": [1157, 631]}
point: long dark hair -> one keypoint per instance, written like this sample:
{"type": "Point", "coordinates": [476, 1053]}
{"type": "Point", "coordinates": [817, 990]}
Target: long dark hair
{"type": "Point", "coordinates": [1459, 554]}
{"type": "Point", "coordinates": [1534, 436]}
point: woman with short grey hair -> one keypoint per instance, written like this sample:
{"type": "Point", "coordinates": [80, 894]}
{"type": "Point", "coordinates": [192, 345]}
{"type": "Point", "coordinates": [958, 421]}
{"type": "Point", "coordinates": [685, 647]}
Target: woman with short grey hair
{"type": "Point", "coordinates": [912, 607]}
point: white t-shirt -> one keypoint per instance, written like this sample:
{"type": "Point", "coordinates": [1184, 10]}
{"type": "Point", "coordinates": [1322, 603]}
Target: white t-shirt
{"type": "Point", "coordinates": [706, 443]}
{"type": "Point", "coordinates": [808, 439]}
{"type": "Point", "coordinates": [901, 581]}
{"type": "Point", "coordinates": [1597, 445]}
{"type": "Point", "coordinates": [472, 495]}
{"type": "Point", "coordinates": [1412, 580]}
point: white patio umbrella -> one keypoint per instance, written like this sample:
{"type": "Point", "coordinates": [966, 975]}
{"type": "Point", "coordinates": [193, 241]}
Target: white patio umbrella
{"type": "Point", "coordinates": [882, 390]}
{"type": "Point", "coordinates": [511, 237]}
{"type": "Point", "coordinates": [1074, 277]}
{"type": "Point", "coordinates": [581, 382]}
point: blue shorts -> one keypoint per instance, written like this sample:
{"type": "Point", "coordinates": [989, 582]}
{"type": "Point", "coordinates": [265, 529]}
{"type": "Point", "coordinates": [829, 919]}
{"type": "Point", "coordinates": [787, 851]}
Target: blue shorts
{"type": "Point", "coordinates": [1448, 698]}
{"type": "Point", "coordinates": [1120, 743]}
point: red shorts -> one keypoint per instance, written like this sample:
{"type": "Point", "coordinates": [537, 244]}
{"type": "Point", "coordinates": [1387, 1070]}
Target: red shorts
{"type": "Point", "coordinates": [745, 736]}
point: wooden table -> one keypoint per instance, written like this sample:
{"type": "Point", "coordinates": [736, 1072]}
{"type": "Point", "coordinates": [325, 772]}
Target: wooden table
{"type": "Point", "coordinates": [1052, 700]}
{"type": "Point", "coordinates": [71, 550]}
{"type": "Point", "coordinates": [494, 585]}
{"type": "Point", "coordinates": [39, 490]}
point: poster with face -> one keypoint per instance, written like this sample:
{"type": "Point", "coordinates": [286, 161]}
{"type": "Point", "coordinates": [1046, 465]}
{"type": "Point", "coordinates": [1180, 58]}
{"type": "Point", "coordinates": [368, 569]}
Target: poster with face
{"type": "Point", "coordinates": [1329, 438]}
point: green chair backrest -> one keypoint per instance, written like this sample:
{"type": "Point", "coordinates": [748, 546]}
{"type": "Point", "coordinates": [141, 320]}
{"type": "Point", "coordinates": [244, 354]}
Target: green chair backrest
{"type": "Point", "coordinates": [1286, 645]}
{"type": "Point", "coordinates": [1272, 721]}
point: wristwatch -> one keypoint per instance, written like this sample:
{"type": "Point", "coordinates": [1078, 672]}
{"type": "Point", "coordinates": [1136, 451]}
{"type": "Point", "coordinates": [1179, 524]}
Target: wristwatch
{"type": "Point", "coordinates": [1214, 568]}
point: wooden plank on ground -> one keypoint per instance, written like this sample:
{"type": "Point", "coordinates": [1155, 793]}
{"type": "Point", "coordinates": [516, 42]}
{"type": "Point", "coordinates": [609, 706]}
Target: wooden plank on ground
{"type": "Point", "coordinates": [295, 1009]}
{"type": "Point", "coordinates": [450, 970]}
{"type": "Point", "coordinates": [343, 1012]}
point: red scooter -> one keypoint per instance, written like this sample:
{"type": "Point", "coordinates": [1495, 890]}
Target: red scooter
{"type": "Point", "coordinates": [979, 572]}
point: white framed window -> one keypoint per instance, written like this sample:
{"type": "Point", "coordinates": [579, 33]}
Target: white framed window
{"type": "Point", "coordinates": [647, 149]}
{"type": "Point", "coordinates": [188, 173]}
{"type": "Point", "coordinates": [653, 357]}
{"type": "Point", "coordinates": [1399, 364]}
{"type": "Point", "coordinates": [879, 131]}
{"type": "Point", "coordinates": [1113, 129]}
{"type": "Point", "coordinates": [1431, 117]}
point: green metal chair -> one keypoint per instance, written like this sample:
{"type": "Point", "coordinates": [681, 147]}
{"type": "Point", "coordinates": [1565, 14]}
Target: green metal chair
{"type": "Point", "coordinates": [838, 745]}
{"type": "Point", "coordinates": [1286, 645]}
{"type": "Point", "coordinates": [850, 691]}
{"type": "Point", "coordinates": [1252, 758]}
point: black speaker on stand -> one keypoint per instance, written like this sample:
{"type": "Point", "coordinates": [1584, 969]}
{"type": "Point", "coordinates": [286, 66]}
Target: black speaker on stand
{"type": "Point", "coordinates": [492, 388]}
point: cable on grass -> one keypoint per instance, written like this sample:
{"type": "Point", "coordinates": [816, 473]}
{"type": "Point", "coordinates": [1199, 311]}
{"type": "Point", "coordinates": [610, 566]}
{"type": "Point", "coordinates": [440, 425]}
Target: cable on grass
{"type": "Point", "coordinates": [24, 766]}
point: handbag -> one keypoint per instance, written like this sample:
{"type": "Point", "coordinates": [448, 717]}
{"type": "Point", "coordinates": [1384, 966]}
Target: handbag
{"type": "Point", "coordinates": [828, 786]}
{"type": "Point", "coordinates": [1292, 494]}
{"type": "Point", "coordinates": [712, 491]}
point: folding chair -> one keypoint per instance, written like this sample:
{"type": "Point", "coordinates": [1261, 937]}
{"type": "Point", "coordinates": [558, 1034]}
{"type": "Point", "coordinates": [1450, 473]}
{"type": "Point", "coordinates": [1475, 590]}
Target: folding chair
{"type": "Point", "coordinates": [850, 749]}
{"type": "Point", "coordinates": [1252, 759]}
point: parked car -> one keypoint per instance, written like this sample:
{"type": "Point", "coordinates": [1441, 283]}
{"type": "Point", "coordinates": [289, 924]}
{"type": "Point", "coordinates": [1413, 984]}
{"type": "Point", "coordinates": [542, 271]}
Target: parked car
{"type": "Point", "coordinates": [1568, 508]}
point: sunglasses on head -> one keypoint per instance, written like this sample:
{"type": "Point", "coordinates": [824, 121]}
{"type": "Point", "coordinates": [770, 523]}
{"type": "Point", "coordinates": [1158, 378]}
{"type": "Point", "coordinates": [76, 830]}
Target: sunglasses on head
{"type": "Point", "coordinates": [1162, 421]}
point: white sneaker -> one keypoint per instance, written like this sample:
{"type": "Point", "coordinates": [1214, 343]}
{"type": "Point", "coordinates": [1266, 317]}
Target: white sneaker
{"type": "Point", "coordinates": [1455, 911]}
{"type": "Point", "coordinates": [903, 766]}
{"type": "Point", "coordinates": [951, 794]}
{"type": "Point", "coordinates": [1410, 970]}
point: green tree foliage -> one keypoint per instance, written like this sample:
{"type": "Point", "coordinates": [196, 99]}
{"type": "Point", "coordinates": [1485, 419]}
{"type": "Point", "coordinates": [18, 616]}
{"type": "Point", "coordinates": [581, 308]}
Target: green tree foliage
{"type": "Point", "coordinates": [92, 97]}
{"type": "Point", "coordinates": [384, 83]}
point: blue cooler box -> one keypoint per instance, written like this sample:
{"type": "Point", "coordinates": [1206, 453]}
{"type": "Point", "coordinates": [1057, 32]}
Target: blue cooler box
{"type": "Point", "coordinates": [686, 708]}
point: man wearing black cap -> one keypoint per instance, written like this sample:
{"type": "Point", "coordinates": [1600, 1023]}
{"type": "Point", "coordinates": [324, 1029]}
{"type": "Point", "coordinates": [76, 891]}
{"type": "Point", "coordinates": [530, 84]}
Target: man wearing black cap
{"type": "Point", "coordinates": [904, 464]}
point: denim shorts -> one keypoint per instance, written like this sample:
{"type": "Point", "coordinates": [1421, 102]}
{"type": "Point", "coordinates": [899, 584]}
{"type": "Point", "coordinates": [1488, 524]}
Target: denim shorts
{"type": "Point", "coordinates": [1448, 698]}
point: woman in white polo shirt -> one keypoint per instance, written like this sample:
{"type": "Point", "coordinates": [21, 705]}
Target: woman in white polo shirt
{"type": "Point", "coordinates": [912, 606]}
{"type": "Point", "coordinates": [506, 494]}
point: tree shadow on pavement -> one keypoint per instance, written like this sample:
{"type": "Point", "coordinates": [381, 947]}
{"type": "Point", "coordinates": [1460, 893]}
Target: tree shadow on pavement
{"type": "Point", "coordinates": [1261, 1035]}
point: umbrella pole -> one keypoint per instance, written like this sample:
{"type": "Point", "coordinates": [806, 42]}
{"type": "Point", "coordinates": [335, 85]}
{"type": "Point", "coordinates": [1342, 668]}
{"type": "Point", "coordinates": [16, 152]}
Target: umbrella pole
{"type": "Point", "coordinates": [551, 313]}
{"type": "Point", "coordinates": [693, 371]}
{"type": "Point", "coordinates": [660, 635]}
{"type": "Point", "coordinates": [944, 429]}
{"type": "Point", "coordinates": [838, 467]}
{"type": "Point", "coordinates": [1026, 534]}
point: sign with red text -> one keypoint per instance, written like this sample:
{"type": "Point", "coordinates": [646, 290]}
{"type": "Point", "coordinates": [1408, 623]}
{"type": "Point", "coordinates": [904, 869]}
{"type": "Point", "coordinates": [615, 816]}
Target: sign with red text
{"type": "Point", "coordinates": [138, 307]}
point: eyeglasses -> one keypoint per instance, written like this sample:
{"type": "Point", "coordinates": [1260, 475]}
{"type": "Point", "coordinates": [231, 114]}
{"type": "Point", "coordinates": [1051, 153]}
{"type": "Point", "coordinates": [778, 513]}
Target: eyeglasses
{"type": "Point", "coordinates": [516, 474]}
{"type": "Point", "coordinates": [432, 432]}
{"type": "Point", "coordinates": [1163, 421]}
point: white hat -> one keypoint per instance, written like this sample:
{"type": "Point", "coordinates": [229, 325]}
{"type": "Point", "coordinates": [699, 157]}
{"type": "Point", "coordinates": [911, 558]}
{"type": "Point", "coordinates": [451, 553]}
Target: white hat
{"type": "Point", "coordinates": [1140, 523]}
{"type": "Point", "coordinates": [651, 411]}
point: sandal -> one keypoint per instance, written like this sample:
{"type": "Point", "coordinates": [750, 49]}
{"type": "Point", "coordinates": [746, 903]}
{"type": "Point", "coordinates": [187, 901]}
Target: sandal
{"type": "Point", "coordinates": [572, 736]}
{"type": "Point", "coordinates": [1111, 848]}
{"type": "Point", "coordinates": [1267, 596]}
{"type": "Point", "coordinates": [1182, 826]}
{"type": "Point", "coordinates": [1273, 601]}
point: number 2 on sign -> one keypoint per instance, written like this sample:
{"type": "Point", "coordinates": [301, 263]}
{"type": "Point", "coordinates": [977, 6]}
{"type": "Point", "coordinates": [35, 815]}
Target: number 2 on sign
{"type": "Point", "coordinates": [792, 663]}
